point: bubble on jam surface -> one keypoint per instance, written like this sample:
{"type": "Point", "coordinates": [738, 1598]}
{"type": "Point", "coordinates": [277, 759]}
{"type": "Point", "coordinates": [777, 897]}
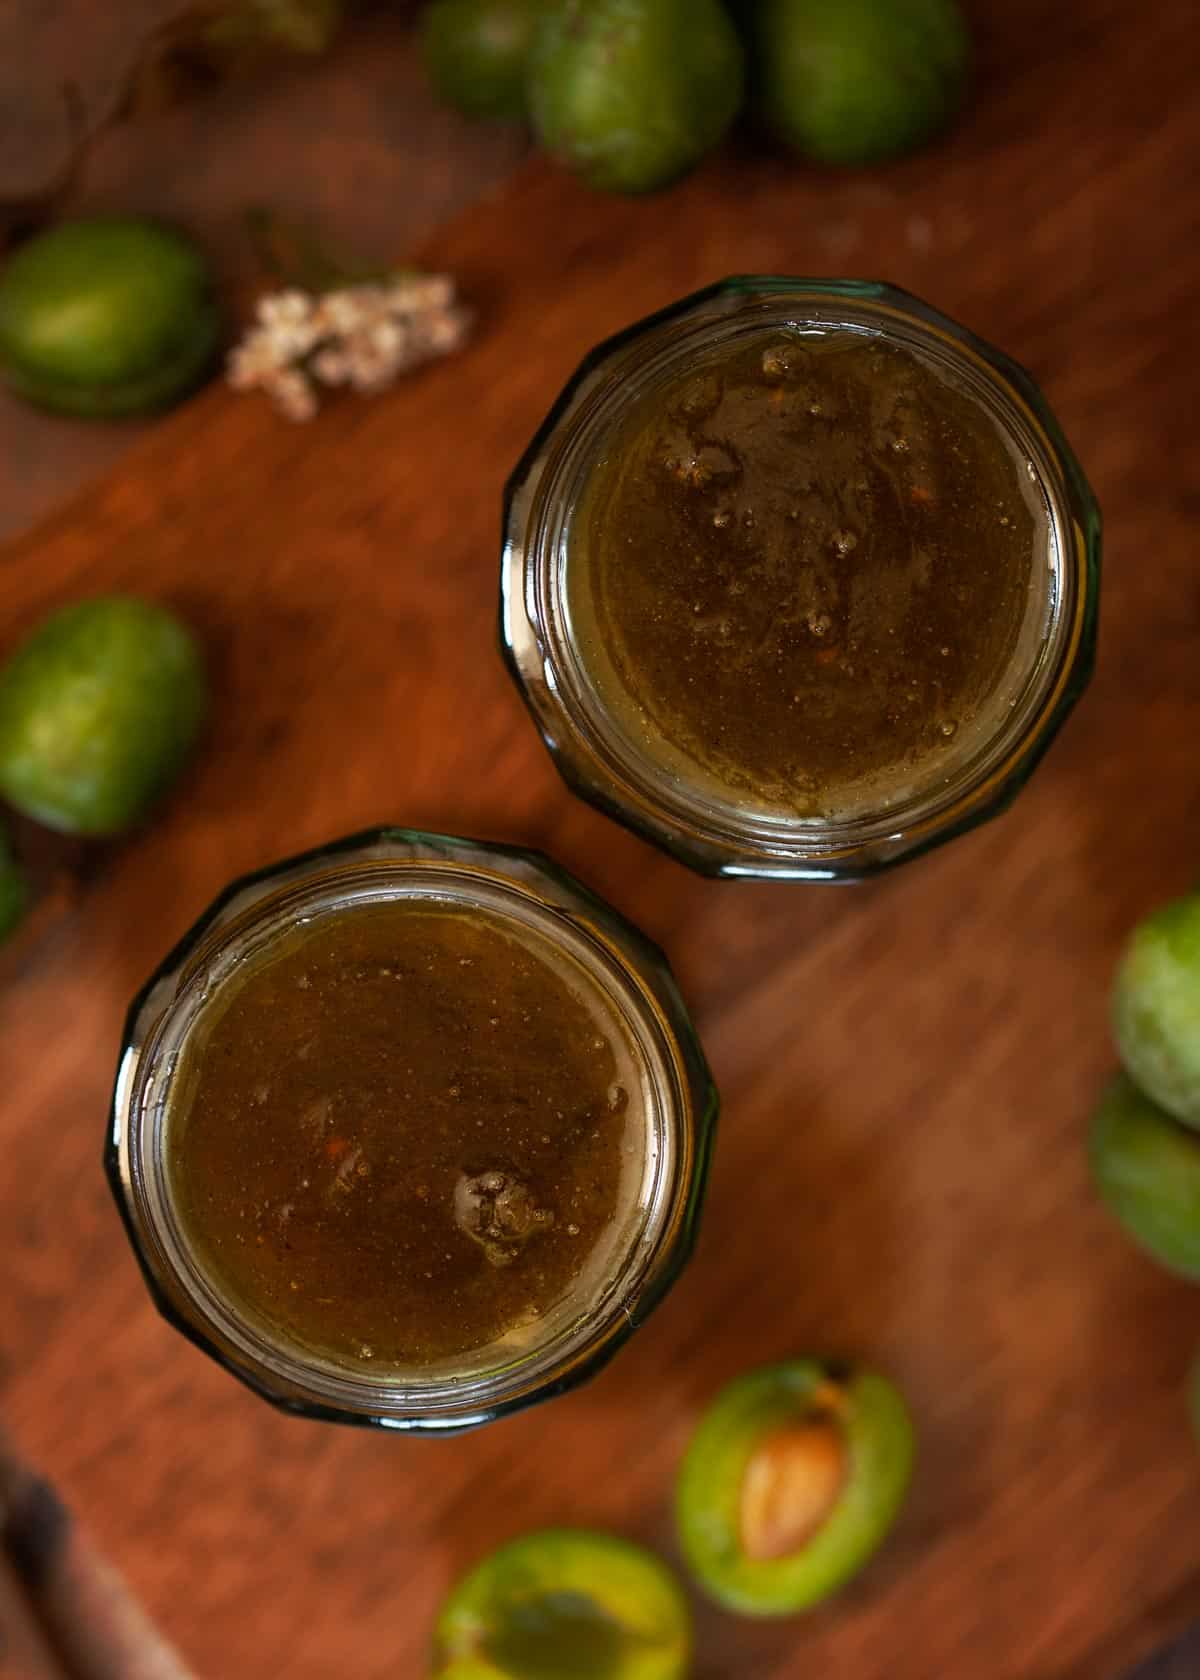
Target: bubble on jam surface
{"type": "Point", "coordinates": [777, 361]}
{"type": "Point", "coordinates": [699, 467]}
{"type": "Point", "coordinates": [499, 1212]}
{"type": "Point", "coordinates": [701, 396]}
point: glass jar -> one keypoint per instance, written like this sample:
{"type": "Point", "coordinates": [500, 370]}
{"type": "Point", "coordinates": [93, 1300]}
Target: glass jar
{"type": "Point", "coordinates": [608, 753]}
{"type": "Point", "coordinates": [542, 910]}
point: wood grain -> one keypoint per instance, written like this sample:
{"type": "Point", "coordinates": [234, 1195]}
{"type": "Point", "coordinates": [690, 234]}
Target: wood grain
{"type": "Point", "coordinates": [906, 1068]}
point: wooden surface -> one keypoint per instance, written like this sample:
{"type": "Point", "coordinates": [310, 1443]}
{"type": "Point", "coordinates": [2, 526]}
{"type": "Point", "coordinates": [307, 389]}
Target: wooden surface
{"type": "Point", "coordinates": [907, 1067]}
{"type": "Point", "coordinates": [1181, 1662]}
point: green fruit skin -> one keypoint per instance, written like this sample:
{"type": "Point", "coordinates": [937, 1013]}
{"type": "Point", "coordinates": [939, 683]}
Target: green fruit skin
{"type": "Point", "coordinates": [98, 709]}
{"type": "Point", "coordinates": [106, 317]}
{"type": "Point", "coordinates": [645, 1635]}
{"type": "Point", "coordinates": [632, 93]}
{"type": "Point", "coordinates": [853, 81]}
{"type": "Point", "coordinates": [298, 26]}
{"type": "Point", "coordinates": [477, 52]}
{"type": "Point", "coordinates": [1147, 1169]}
{"type": "Point", "coordinates": [881, 1448]}
{"type": "Point", "coordinates": [14, 890]}
{"type": "Point", "coordinates": [1156, 1008]}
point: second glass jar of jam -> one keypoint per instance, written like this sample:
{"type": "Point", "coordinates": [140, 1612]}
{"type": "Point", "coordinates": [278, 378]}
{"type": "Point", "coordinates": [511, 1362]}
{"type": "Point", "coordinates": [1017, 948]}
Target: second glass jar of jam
{"type": "Point", "coordinates": [799, 578]}
{"type": "Point", "coordinates": [411, 1131]}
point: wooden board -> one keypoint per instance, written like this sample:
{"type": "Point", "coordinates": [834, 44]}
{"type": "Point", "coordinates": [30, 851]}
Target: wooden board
{"type": "Point", "coordinates": [906, 1067]}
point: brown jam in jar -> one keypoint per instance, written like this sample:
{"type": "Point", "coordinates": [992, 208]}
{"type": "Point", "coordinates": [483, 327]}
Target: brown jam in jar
{"type": "Point", "coordinates": [411, 1130]}
{"type": "Point", "coordinates": [405, 1135]}
{"type": "Point", "coordinates": [804, 564]}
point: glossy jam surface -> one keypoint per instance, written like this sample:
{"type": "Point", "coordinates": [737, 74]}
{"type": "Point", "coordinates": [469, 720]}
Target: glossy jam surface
{"type": "Point", "coordinates": [800, 568]}
{"type": "Point", "coordinates": [406, 1134]}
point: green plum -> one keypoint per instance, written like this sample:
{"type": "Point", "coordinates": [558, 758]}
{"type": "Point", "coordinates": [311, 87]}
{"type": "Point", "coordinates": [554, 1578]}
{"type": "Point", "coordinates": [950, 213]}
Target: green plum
{"type": "Point", "coordinates": [99, 707]}
{"type": "Point", "coordinates": [791, 1482]}
{"type": "Point", "coordinates": [1147, 1169]}
{"type": "Point", "coordinates": [106, 317]}
{"type": "Point", "coordinates": [851, 81]}
{"type": "Point", "coordinates": [1156, 1008]}
{"type": "Point", "coordinates": [632, 93]}
{"type": "Point", "coordinates": [565, 1604]}
{"type": "Point", "coordinates": [477, 52]}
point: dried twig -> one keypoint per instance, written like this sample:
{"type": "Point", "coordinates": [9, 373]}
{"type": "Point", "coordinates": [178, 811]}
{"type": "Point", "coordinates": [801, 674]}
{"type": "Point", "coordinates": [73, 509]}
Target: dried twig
{"type": "Point", "coordinates": [63, 1606]}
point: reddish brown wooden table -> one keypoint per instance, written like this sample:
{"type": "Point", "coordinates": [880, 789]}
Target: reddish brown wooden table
{"type": "Point", "coordinates": [907, 1068]}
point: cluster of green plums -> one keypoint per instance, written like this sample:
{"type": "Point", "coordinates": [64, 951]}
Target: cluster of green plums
{"type": "Point", "coordinates": [1145, 1145]}
{"type": "Point", "coordinates": [632, 93]}
{"type": "Point", "coordinates": [103, 317]}
{"type": "Point", "coordinates": [791, 1481]}
{"type": "Point", "coordinates": [99, 707]}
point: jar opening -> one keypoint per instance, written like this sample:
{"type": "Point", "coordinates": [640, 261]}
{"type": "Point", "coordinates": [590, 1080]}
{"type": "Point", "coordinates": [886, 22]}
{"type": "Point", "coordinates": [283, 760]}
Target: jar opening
{"type": "Point", "coordinates": [608, 735]}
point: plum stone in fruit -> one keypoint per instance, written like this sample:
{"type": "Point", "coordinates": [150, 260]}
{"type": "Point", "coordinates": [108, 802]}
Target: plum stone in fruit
{"type": "Point", "coordinates": [790, 1484]}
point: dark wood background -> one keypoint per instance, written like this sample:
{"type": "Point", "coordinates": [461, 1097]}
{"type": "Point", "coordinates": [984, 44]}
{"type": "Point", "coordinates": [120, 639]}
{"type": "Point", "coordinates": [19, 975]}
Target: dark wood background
{"type": "Point", "coordinates": [907, 1068]}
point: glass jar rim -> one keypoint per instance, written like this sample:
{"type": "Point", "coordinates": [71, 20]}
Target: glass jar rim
{"type": "Point", "coordinates": [601, 759]}
{"type": "Point", "coordinates": [507, 882]}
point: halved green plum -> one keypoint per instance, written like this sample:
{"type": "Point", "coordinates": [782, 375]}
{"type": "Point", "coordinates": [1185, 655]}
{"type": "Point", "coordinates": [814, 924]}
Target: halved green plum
{"type": "Point", "coordinates": [1156, 1008]}
{"type": "Point", "coordinates": [631, 94]}
{"type": "Point", "coordinates": [565, 1604]}
{"type": "Point", "coordinates": [1147, 1168]}
{"type": "Point", "coordinates": [793, 1478]}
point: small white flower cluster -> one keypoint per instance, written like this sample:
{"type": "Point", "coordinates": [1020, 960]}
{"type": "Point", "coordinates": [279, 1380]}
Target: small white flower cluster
{"type": "Point", "coordinates": [362, 336]}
